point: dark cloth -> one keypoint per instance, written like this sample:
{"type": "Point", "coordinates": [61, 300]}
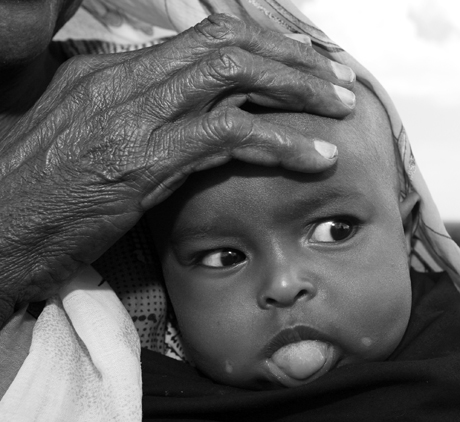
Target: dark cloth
{"type": "Point", "coordinates": [419, 382]}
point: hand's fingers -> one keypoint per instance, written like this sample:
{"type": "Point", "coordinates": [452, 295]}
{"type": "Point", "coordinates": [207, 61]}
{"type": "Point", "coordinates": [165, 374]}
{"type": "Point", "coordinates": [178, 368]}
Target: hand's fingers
{"type": "Point", "coordinates": [321, 66]}
{"type": "Point", "coordinates": [223, 30]}
{"type": "Point", "coordinates": [303, 38]}
{"type": "Point", "coordinates": [226, 133]}
{"type": "Point", "coordinates": [294, 50]}
{"type": "Point", "coordinates": [247, 137]}
{"type": "Point", "coordinates": [219, 31]}
{"type": "Point", "coordinates": [212, 48]}
{"type": "Point", "coordinates": [232, 71]}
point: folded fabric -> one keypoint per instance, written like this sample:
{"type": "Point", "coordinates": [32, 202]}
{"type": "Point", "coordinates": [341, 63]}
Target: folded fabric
{"type": "Point", "coordinates": [15, 339]}
{"type": "Point", "coordinates": [83, 363]}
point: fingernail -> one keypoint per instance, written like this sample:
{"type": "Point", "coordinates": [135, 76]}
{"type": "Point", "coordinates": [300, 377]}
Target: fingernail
{"type": "Point", "coordinates": [326, 149]}
{"type": "Point", "coordinates": [347, 97]}
{"type": "Point", "coordinates": [305, 39]}
{"type": "Point", "coordinates": [344, 73]}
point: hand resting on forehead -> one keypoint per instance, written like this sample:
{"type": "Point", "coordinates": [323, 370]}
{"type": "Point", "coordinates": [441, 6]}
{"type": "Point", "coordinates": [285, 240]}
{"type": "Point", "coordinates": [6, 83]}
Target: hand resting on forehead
{"type": "Point", "coordinates": [276, 277]}
{"type": "Point", "coordinates": [82, 161]}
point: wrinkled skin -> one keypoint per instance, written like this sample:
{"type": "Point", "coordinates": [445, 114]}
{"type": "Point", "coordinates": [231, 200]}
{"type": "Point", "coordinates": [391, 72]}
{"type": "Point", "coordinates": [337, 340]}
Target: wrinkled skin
{"type": "Point", "coordinates": [254, 250]}
{"type": "Point", "coordinates": [112, 136]}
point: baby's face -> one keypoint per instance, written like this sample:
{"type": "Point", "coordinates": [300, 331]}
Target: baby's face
{"type": "Point", "coordinates": [278, 277]}
{"type": "Point", "coordinates": [264, 258]}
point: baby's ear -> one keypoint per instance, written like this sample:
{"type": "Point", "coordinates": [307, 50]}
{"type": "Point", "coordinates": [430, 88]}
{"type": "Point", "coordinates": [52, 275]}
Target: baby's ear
{"type": "Point", "coordinates": [407, 208]}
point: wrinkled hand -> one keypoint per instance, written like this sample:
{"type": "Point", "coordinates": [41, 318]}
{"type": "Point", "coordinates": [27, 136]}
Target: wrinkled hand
{"type": "Point", "coordinates": [115, 134]}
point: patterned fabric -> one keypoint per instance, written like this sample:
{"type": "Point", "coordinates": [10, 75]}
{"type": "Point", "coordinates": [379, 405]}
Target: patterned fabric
{"type": "Point", "coordinates": [134, 274]}
{"type": "Point", "coordinates": [131, 270]}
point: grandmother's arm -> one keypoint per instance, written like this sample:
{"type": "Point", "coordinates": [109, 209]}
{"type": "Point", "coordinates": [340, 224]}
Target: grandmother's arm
{"type": "Point", "coordinates": [114, 135]}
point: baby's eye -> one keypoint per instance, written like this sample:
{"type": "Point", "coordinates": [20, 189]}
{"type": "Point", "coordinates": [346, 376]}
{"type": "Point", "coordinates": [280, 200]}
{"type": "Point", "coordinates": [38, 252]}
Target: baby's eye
{"type": "Point", "coordinates": [331, 231]}
{"type": "Point", "coordinates": [222, 258]}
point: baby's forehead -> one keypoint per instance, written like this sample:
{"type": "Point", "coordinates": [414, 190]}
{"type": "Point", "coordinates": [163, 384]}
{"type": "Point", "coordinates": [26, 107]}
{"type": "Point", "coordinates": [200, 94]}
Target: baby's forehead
{"type": "Point", "coordinates": [363, 135]}
{"type": "Point", "coordinates": [366, 162]}
{"type": "Point", "coordinates": [364, 140]}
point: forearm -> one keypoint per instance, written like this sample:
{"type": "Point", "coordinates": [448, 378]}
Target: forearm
{"type": "Point", "coordinates": [48, 231]}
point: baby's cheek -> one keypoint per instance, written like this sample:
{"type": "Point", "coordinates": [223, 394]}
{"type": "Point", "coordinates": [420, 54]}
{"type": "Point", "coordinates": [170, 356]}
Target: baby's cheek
{"type": "Point", "coordinates": [223, 347]}
{"type": "Point", "coordinates": [384, 320]}
{"type": "Point", "coordinates": [223, 363]}
{"type": "Point", "coordinates": [372, 309]}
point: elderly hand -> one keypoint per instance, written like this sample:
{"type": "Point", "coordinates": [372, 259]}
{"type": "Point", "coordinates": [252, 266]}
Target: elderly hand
{"type": "Point", "coordinates": [114, 135]}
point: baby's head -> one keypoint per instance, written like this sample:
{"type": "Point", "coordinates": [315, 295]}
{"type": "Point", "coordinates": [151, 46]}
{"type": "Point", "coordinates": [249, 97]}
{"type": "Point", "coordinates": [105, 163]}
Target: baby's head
{"type": "Point", "coordinates": [277, 277]}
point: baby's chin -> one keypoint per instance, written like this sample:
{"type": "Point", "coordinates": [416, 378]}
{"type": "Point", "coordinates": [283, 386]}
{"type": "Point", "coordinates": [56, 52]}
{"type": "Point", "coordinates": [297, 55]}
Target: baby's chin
{"type": "Point", "coordinates": [305, 361]}
{"type": "Point", "coordinates": [292, 359]}
{"type": "Point", "coordinates": [293, 365]}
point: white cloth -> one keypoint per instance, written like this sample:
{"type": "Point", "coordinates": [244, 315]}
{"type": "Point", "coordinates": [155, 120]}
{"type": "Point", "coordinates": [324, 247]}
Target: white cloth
{"type": "Point", "coordinates": [84, 361]}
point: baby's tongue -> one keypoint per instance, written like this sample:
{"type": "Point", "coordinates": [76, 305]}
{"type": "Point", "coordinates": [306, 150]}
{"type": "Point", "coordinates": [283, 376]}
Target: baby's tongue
{"type": "Point", "coordinates": [302, 359]}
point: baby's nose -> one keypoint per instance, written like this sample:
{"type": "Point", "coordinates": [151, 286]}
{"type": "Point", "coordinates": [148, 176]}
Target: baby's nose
{"type": "Point", "coordinates": [285, 285]}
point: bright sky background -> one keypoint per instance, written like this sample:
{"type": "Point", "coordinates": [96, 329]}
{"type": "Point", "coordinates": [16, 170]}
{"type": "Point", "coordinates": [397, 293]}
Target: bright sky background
{"type": "Point", "coordinates": [413, 48]}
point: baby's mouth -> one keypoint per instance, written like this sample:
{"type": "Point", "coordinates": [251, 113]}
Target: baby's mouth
{"type": "Point", "coordinates": [301, 355]}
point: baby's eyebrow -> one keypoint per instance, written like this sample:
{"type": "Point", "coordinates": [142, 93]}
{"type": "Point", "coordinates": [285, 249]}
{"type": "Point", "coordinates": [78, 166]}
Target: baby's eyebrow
{"type": "Point", "coordinates": [330, 199]}
{"type": "Point", "coordinates": [327, 201]}
{"type": "Point", "coordinates": [192, 232]}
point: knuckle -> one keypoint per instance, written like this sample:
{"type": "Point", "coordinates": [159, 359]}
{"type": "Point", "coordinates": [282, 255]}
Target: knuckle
{"type": "Point", "coordinates": [102, 89]}
{"type": "Point", "coordinates": [226, 20]}
{"type": "Point", "coordinates": [72, 76]}
{"type": "Point", "coordinates": [76, 66]}
{"type": "Point", "coordinates": [314, 91]}
{"type": "Point", "coordinates": [317, 60]}
{"type": "Point", "coordinates": [229, 125]}
{"type": "Point", "coordinates": [81, 95]}
{"type": "Point", "coordinates": [220, 28]}
{"type": "Point", "coordinates": [227, 63]}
